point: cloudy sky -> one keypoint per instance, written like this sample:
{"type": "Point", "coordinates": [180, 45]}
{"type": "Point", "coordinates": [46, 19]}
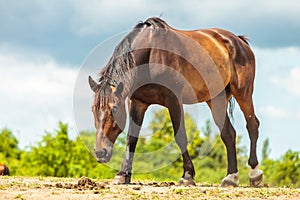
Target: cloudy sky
{"type": "Point", "coordinates": [43, 44]}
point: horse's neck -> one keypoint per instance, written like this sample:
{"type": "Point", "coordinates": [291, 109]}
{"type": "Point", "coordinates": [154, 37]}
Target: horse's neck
{"type": "Point", "coordinates": [129, 75]}
{"type": "Point", "coordinates": [126, 79]}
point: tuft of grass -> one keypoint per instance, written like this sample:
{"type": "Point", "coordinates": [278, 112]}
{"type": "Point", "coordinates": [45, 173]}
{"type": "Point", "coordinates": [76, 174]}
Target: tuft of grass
{"type": "Point", "coordinates": [17, 183]}
{"type": "Point", "coordinates": [19, 196]}
{"type": "Point", "coordinates": [178, 191]}
{"type": "Point", "coordinates": [4, 186]}
{"type": "Point", "coordinates": [34, 185]}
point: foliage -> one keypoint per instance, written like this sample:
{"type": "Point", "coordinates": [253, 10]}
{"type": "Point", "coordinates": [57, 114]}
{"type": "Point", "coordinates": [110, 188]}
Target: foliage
{"type": "Point", "coordinates": [161, 150]}
{"type": "Point", "coordinates": [9, 151]}
{"type": "Point", "coordinates": [158, 156]}
{"type": "Point", "coordinates": [9, 144]}
{"type": "Point", "coordinates": [266, 150]}
{"type": "Point", "coordinates": [83, 162]}
{"type": "Point", "coordinates": [51, 155]}
{"type": "Point", "coordinates": [284, 171]}
{"type": "Point", "coordinates": [207, 152]}
{"type": "Point", "coordinates": [57, 155]}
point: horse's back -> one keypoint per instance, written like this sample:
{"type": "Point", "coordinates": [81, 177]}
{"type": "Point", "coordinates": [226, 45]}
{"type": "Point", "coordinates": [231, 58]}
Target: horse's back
{"type": "Point", "coordinates": [229, 52]}
{"type": "Point", "coordinates": [211, 66]}
{"type": "Point", "coordinates": [243, 60]}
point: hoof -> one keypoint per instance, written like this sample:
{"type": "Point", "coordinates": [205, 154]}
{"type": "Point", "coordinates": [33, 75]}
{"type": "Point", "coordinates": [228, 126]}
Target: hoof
{"type": "Point", "coordinates": [230, 180]}
{"type": "Point", "coordinates": [121, 179]}
{"type": "Point", "coordinates": [255, 177]}
{"type": "Point", "coordinates": [186, 182]}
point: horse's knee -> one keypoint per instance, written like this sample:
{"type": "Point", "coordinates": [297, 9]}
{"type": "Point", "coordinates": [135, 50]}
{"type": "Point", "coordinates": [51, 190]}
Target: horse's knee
{"type": "Point", "coordinates": [252, 124]}
{"type": "Point", "coordinates": [257, 121]}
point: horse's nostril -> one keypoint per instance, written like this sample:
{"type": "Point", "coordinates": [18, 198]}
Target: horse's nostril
{"type": "Point", "coordinates": [104, 152]}
{"type": "Point", "coordinates": [101, 153]}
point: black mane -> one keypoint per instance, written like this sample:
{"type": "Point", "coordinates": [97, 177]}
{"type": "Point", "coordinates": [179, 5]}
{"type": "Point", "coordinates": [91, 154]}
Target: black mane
{"type": "Point", "coordinates": [122, 59]}
{"type": "Point", "coordinates": [153, 21]}
{"type": "Point", "coordinates": [157, 22]}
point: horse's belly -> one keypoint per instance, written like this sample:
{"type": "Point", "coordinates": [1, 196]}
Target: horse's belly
{"type": "Point", "coordinates": [196, 96]}
{"type": "Point", "coordinates": [203, 87]}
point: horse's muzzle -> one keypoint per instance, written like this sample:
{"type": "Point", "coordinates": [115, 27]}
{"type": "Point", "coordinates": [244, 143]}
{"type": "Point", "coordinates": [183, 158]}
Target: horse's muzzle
{"type": "Point", "coordinates": [102, 155]}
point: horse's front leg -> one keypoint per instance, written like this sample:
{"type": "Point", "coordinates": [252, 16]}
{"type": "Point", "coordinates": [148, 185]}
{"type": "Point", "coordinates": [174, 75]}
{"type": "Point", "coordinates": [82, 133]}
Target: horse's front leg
{"type": "Point", "coordinates": [137, 111]}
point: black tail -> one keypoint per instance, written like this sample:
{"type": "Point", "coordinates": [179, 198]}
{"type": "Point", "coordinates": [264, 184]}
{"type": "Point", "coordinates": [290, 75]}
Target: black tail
{"type": "Point", "coordinates": [244, 38]}
{"type": "Point", "coordinates": [231, 109]}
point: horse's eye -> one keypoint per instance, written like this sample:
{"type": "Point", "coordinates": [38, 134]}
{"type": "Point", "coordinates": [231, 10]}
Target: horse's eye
{"type": "Point", "coordinates": [114, 110]}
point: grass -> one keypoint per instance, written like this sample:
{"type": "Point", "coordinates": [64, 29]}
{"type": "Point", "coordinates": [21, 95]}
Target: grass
{"type": "Point", "coordinates": [19, 196]}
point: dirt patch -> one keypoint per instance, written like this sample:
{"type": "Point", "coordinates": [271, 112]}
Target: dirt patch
{"type": "Point", "coordinates": [86, 188]}
{"type": "Point", "coordinates": [83, 183]}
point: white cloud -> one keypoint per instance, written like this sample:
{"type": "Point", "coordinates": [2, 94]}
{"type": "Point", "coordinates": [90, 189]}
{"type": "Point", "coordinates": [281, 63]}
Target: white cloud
{"type": "Point", "coordinates": [96, 17]}
{"type": "Point", "coordinates": [276, 60]}
{"type": "Point", "coordinates": [108, 16]}
{"type": "Point", "coordinates": [273, 112]}
{"type": "Point", "coordinates": [35, 94]}
{"type": "Point", "coordinates": [36, 91]}
{"type": "Point", "coordinates": [291, 83]}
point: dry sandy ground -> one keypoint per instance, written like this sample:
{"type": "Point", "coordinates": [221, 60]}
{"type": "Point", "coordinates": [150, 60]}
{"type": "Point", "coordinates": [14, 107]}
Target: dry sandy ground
{"type": "Point", "coordinates": [85, 188]}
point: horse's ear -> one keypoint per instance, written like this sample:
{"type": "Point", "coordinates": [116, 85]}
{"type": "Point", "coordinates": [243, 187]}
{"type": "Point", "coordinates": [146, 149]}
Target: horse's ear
{"type": "Point", "coordinates": [93, 84]}
{"type": "Point", "coordinates": [119, 89]}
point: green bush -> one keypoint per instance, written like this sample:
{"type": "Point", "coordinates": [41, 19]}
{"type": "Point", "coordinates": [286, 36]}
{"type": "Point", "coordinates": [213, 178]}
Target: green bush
{"type": "Point", "coordinates": [57, 155]}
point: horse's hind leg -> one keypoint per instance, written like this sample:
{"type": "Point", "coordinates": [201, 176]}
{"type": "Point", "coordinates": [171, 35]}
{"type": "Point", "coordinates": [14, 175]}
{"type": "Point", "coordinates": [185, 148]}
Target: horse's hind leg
{"type": "Point", "coordinates": [246, 104]}
{"type": "Point", "coordinates": [218, 107]}
{"type": "Point", "coordinates": [177, 117]}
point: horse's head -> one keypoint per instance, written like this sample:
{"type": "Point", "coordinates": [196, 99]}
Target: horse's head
{"type": "Point", "coordinates": [109, 115]}
{"type": "Point", "coordinates": [109, 103]}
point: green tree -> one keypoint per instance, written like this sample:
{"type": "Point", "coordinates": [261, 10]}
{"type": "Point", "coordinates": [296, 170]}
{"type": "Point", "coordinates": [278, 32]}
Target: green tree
{"type": "Point", "coordinates": [163, 133]}
{"type": "Point", "coordinates": [9, 145]}
{"type": "Point", "coordinates": [161, 149]}
{"type": "Point", "coordinates": [9, 150]}
{"type": "Point", "coordinates": [83, 162]}
{"type": "Point", "coordinates": [51, 155]}
{"type": "Point", "coordinates": [57, 155]}
{"type": "Point", "coordinates": [266, 149]}
{"type": "Point", "coordinates": [284, 171]}
{"type": "Point", "coordinates": [288, 169]}
{"type": "Point", "coordinates": [208, 152]}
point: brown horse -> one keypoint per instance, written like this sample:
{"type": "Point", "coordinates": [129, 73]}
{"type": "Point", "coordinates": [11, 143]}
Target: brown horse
{"type": "Point", "coordinates": [4, 170]}
{"type": "Point", "coordinates": [157, 64]}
